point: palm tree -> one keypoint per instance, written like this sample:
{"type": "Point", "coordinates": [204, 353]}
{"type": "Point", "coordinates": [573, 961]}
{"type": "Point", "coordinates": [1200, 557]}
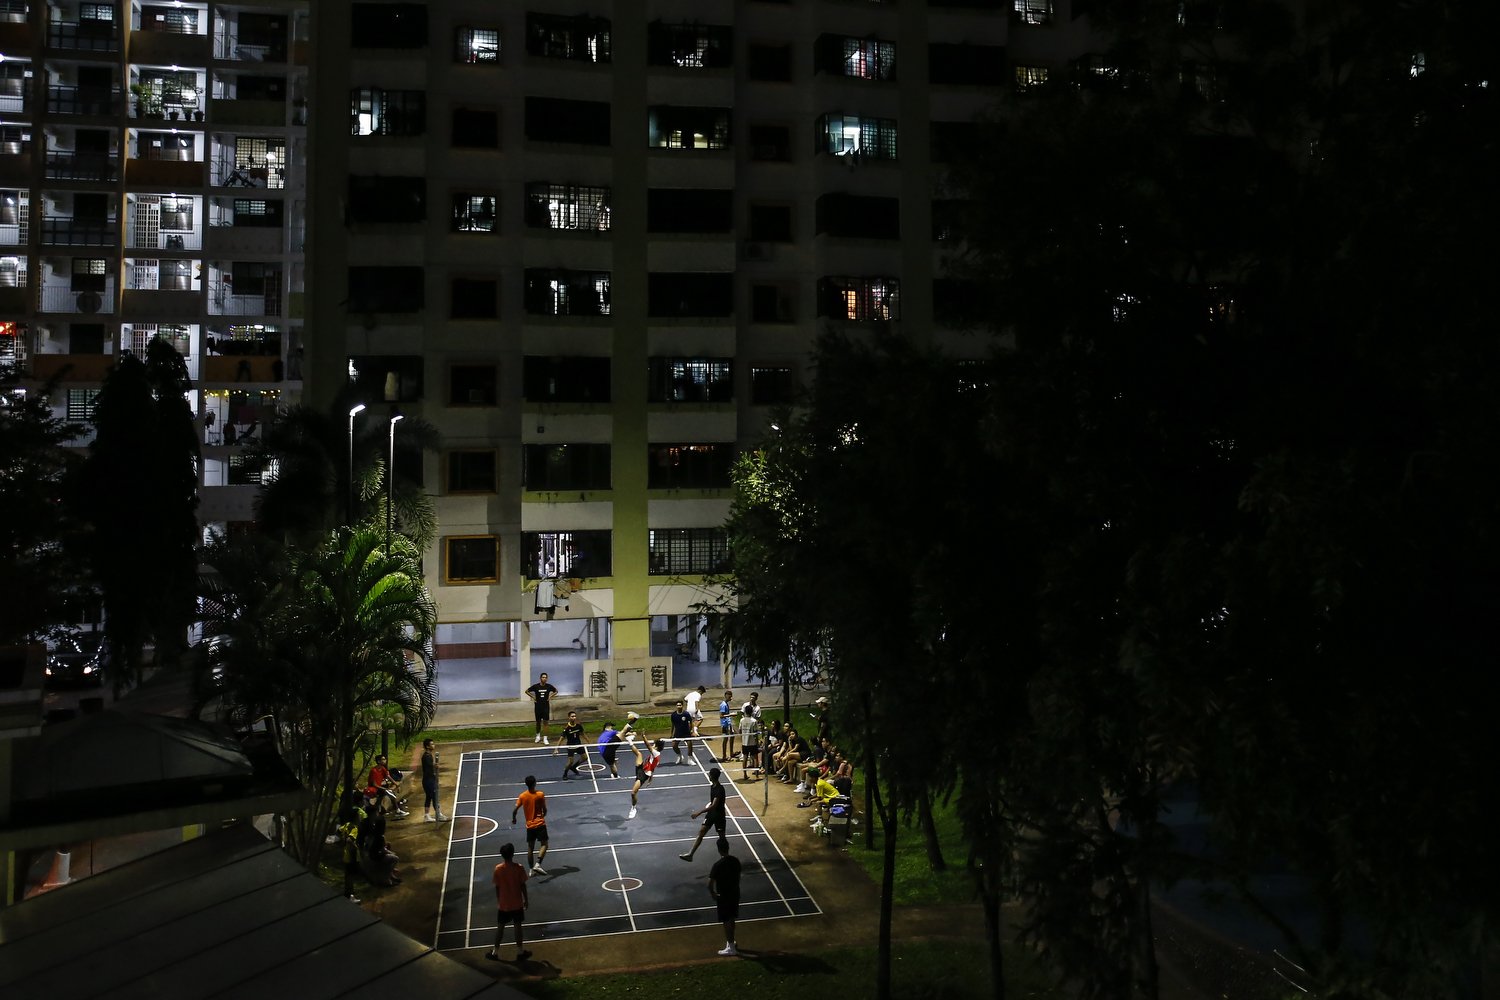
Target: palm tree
{"type": "Point", "coordinates": [344, 636]}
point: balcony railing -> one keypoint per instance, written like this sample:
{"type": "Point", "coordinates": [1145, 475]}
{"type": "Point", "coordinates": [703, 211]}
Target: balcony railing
{"type": "Point", "coordinates": [83, 36]}
{"type": "Point", "coordinates": [163, 241]}
{"type": "Point", "coordinates": [60, 298]}
{"type": "Point", "coordinates": [15, 102]}
{"type": "Point", "coordinates": [223, 301]}
{"type": "Point", "coordinates": [63, 100]}
{"type": "Point", "coordinates": [67, 165]}
{"type": "Point", "coordinates": [62, 231]}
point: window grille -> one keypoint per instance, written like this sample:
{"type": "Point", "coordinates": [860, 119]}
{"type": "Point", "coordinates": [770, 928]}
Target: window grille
{"type": "Point", "coordinates": [373, 111]}
{"type": "Point", "coordinates": [675, 551]}
{"type": "Point", "coordinates": [567, 206]}
{"type": "Point", "coordinates": [1033, 11]}
{"type": "Point", "coordinates": [477, 45]}
{"type": "Point", "coordinates": [1030, 77]}
{"type": "Point", "coordinates": [81, 404]}
{"type": "Point", "coordinates": [548, 554]}
{"type": "Point", "coordinates": [860, 300]}
{"type": "Point", "coordinates": [852, 135]}
{"type": "Point", "coordinates": [473, 213]}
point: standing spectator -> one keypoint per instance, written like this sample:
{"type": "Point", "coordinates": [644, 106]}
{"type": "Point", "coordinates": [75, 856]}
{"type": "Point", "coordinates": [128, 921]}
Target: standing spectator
{"type": "Point", "coordinates": [645, 770]}
{"type": "Point", "coordinates": [431, 811]}
{"type": "Point", "coordinates": [609, 747]}
{"type": "Point", "coordinates": [824, 717]}
{"type": "Point", "coordinates": [693, 698]}
{"type": "Point", "coordinates": [542, 693]}
{"type": "Point", "coordinates": [349, 838]}
{"type": "Point", "coordinates": [510, 903]}
{"type": "Point", "coordinates": [726, 729]}
{"type": "Point", "coordinates": [682, 728]}
{"type": "Point", "coordinates": [750, 742]}
{"type": "Point", "coordinates": [752, 707]}
{"type": "Point", "coordinates": [573, 738]}
{"type": "Point", "coordinates": [724, 887]}
{"type": "Point", "coordinates": [535, 804]}
{"type": "Point", "coordinates": [713, 815]}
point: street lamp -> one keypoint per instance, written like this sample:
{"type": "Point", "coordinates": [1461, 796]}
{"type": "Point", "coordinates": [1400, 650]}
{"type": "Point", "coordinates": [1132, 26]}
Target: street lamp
{"type": "Point", "coordinates": [390, 483]}
{"type": "Point", "coordinates": [349, 509]}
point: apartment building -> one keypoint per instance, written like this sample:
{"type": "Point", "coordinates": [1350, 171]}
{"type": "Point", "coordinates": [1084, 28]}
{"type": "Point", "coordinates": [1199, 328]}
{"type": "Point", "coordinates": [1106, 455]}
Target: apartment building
{"type": "Point", "coordinates": [594, 246]}
{"type": "Point", "coordinates": [153, 184]}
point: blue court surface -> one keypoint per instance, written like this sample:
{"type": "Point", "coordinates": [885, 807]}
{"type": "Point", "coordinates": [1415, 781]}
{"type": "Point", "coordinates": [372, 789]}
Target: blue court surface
{"type": "Point", "coordinates": [606, 874]}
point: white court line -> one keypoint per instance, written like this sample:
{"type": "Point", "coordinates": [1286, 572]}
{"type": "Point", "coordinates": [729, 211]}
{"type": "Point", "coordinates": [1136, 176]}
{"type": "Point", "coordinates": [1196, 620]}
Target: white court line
{"type": "Point", "coordinates": [624, 893]}
{"type": "Point", "coordinates": [448, 854]}
{"type": "Point", "coordinates": [473, 849]}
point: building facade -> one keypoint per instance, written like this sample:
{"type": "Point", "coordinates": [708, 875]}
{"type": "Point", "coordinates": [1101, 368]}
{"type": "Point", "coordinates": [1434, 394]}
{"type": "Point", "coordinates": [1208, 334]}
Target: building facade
{"type": "Point", "coordinates": [595, 248]}
{"type": "Point", "coordinates": [153, 184]}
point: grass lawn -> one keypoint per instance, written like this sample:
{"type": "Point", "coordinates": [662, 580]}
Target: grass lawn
{"type": "Point", "coordinates": [920, 970]}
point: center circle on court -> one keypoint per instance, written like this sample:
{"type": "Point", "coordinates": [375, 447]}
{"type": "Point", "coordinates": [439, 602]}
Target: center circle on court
{"type": "Point", "coordinates": [589, 767]}
{"type": "Point", "coordinates": [624, 883]}
{"type": "Point", "coordinates": [473, 827]}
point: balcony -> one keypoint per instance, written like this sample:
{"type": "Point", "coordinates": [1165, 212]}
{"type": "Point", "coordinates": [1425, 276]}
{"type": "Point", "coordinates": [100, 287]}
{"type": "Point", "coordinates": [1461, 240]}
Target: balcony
{"type": "Point", "coordinates": [232, 111]}
{"type": "Point", "coordinates": [229, 241]}
{"type": "Point", "coordinates": [71, 367]}
{"type": "Point", "coordinates": [83, 36]}
{"type": "Point", "coordinates": [161, 304]}
{"type": "Point", "coordinates": [61, 297]}
{"type": "Point", "coordinates": [68, 165]}
{"type": "Point", "coordinates": [97, 101]}
{"type": "Point", "coordinates": [66, 232]}
{"type": "Point", "coordinates": [243, 368]}
{"type": "Point", "coordinates": [169, 48]}
{"type": "Point", "coordinates": [165, 173]}
{"type": "Point", "coordinates": [224, 300]}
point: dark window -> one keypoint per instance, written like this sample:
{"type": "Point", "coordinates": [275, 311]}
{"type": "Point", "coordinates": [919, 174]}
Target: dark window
{"type": "Point", "coordinates": [688, 550]}
{"type": "Point", "coordinates": [565, 380]}
{"type": "Point", "coordinates": [551, 292]}
{"type": "Point", "coordinates": [556, 119]}
{"type": "Point", "coordinates": [388, 25]}
{"type": "Point", "coordinates": [565, 467]}
{"type": "Point", "coordinates": [246, 88]}
{"type": "Point", "coordinates": [689, 294]}
{"type": "Point", "coordinates": [476, 45]}
{"type": "Point", "coordinates": [373, 111]}
{"type": "Point", "coordinates": [389, 378]}
{"type": "Point", "coordinates": [567, 206]}
{"type": "Point", "coordinates": [85, 338]}
{"type": "Point", "coordinates": [471, 559]}
{"type": "Point", "coordinates": [948, 217]}
{"type": "Point", "coordinates": [689, 466]}
{"type": "Point", "coordinates": [471, 471]}
{"type": "Point", "coordinates": [473, 385]}
{"type": "Point", "coordinates": [252, 277]}
{"type": "Point", "coordinates": [772, 386]}
{"type": "Point", "coordinates": [947, 140]}
{"type": "Point", "coordinates": [981, 65]}
{"type": "Point", "coordinates": [861, 58]}
{"type": "Point", "coordinates": [386, 288]}
{"type": "Point", "coordinates": [770, 143]}
{"type": "Point", "coordinates": [690, 380]}
{"type": "Point", "coordinates": [771, 223]}
{"type": "Point", "coordinates": [80, 405]}
{"type": "Point", "coordinates": [853, 135]}
{"type": "Point", "coordinates": [689, 46]}
{"type": "Point", "coordinates": [476, 128]}
{"type": "Point", "coordinates": [257, 213]}
{"type": "Point", "coordinates": [474, 213]}
{"type": "Point", "coordinates": [957, 303]}
{"type": "Point", "coordinates": [771, 63]}
{"type": "Point", "coordinates": [89, 274]}
{"type": "Point", "coordinates": [859, 300]}
{"type": "Point", "coordinates": [386, 199]}
{"type": "Point", "coordinates": [577, 554]}
{"type": "Point", "coordinates": [771, 304]}
{"type": "Point", "coordinates": [554, 36]}
{"type": "Point", "coordinates": [859, 216]}
{"type": "Point", "coordinates": [689, 210]}
{"type": "Point", "coordinates": [474, 298]}
{"type": "Point", "coordinates": [669, 127]}
{"type": "Point", "coordinates": [1040, 11]}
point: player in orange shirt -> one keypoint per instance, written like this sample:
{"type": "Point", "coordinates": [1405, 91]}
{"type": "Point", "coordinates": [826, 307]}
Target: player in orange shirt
{"type": "Point", "coordinates": [535, 804]}
{"type": "Point", "coordinates": [510, 903]}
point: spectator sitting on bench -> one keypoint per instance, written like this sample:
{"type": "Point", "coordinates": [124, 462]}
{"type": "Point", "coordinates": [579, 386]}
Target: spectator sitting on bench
{"type": "Point", "coordinates": [793, 751]}
{"type": "Point", "coordinates": [386, 784]}
{"type": "Point", "coordinates": [824, 794]}
{"type": "Point", "coordinates": [815, 761]}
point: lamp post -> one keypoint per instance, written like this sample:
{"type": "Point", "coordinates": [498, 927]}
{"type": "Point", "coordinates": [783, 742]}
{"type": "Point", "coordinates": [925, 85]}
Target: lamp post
{"type": "Point", "coordinates": [390, 483]}
{"type": "Point", "coordinates": [349, 500]}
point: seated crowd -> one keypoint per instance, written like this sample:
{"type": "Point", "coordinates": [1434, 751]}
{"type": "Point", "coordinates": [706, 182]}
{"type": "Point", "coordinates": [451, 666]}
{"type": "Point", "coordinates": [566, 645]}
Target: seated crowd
{"type": "Point", "coordinates": [820, 772]}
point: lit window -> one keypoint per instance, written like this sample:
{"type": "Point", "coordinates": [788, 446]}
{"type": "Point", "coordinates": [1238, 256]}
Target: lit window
{"type": "Point", "coordinates": [477, 45]}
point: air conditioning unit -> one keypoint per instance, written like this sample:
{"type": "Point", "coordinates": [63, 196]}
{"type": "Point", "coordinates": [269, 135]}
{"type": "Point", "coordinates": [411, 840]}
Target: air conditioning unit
{"type": "Point", "coordinates": [755, 251]}
{"type": "Point", "coordinates": [89, 302]}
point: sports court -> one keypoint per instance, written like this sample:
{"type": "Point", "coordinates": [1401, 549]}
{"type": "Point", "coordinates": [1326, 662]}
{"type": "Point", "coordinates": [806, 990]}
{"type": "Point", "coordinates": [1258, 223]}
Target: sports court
{"type": "Point", "coordinates": [605, 874]}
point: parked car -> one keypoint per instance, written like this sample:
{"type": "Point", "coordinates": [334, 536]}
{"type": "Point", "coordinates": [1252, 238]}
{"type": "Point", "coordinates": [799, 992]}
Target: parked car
{"type": "Point", "coordinates": [76, 660]}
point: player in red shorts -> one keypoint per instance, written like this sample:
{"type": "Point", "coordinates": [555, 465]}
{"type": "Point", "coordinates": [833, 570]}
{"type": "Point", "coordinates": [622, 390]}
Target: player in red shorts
{"type": "Point", "coordinates": [645, 769]}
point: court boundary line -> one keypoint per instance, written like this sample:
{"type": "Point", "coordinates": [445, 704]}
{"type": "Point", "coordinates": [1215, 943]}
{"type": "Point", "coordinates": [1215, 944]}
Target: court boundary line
{"type": "Point", "coordinates": [781, 900]}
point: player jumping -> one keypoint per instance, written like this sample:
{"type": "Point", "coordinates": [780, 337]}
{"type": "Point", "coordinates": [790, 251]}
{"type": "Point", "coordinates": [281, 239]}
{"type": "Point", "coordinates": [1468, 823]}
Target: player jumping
{"type": "Point", "coordinates": [645, 770]}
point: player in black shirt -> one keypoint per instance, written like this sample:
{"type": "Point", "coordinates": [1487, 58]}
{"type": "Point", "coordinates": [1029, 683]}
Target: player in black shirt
{"type": "Point", "coordinates": [713, 813]}
{"type": "Point", "coordinates": [724, 886]}
{"type": "Point", "coordinates": [573, 739]}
